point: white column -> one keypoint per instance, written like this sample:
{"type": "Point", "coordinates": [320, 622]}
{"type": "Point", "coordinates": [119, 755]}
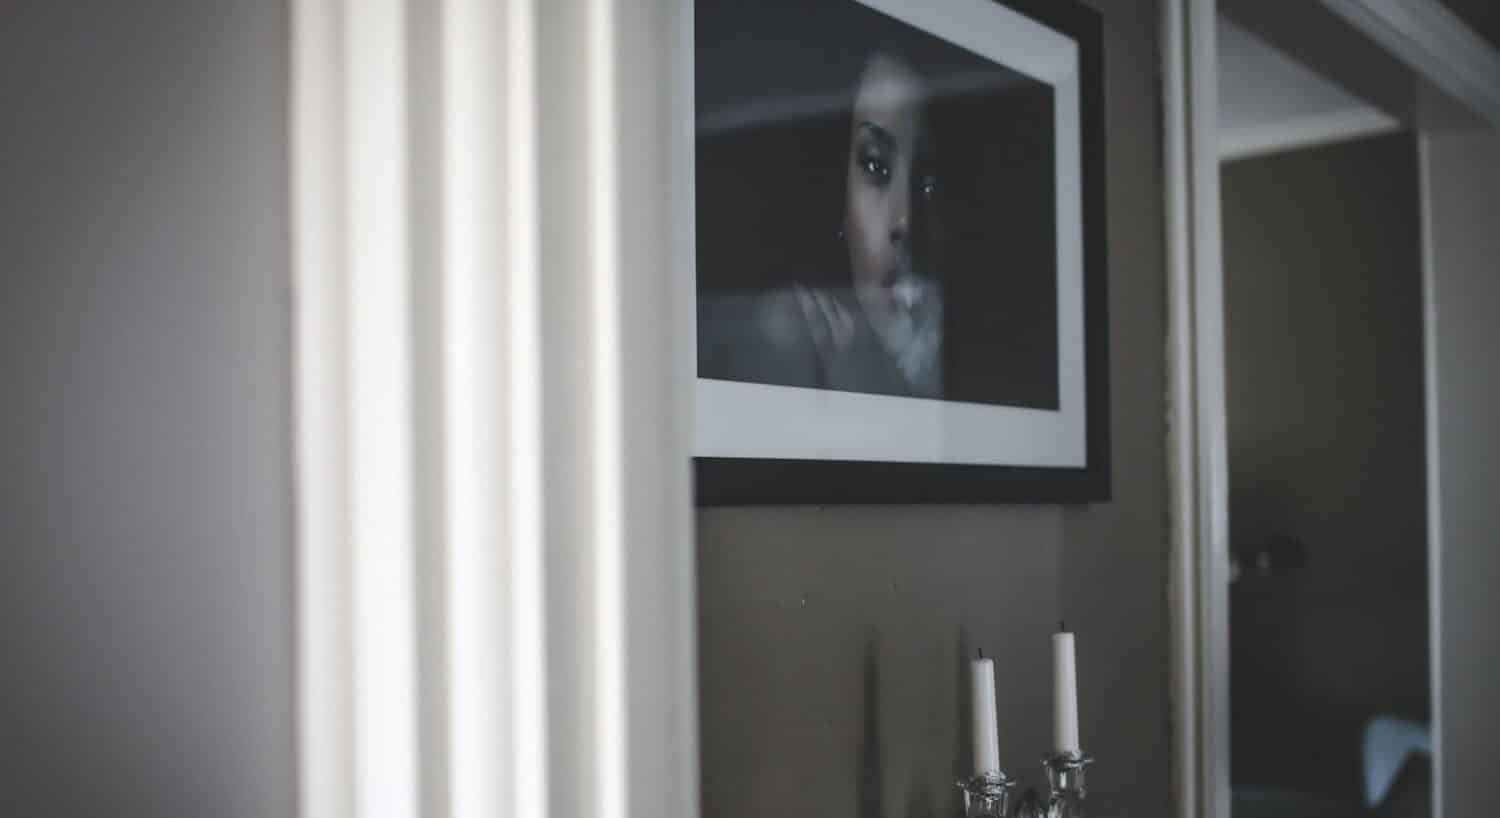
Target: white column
{"type": "Point", "coordinates": [526, 206]}
{"type": "Point", "coordinates": [356, 539]}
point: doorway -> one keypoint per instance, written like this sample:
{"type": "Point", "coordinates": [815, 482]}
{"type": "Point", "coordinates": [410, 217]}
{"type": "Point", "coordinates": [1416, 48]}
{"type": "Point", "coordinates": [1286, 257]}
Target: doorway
{"type": "Point", "coordinates": [1426, 73]}
{"type": "Point", "coordinates": [1321, 221]}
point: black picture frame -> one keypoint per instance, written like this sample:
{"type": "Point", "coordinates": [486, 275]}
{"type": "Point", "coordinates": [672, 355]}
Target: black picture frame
{"type": "Point", "coordinates": [732, 481]}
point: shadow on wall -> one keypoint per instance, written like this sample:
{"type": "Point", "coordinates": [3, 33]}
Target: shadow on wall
{"type": "Point", "coordinates": [963, 714]}
{"type": "Point", "coordinates": [919, 802]}
{"type": "Point", "coordinates": [868, 799]}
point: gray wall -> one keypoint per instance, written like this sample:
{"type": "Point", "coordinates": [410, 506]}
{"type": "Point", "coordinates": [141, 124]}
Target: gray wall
{"type": "Point", "coordinates": [145, 501]}
{"type": "Point", "coordinates": [1323, 272]}
{"type": "Point", "coordinates": [831, 639]}
{"type": "Point", "coordinates": [1463, 189]}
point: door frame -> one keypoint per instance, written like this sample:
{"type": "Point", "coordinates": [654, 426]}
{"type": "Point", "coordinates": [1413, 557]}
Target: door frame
{"type": "Point", "coordinates": [1443, 51]}
{"type": "Point", "coordinates": [1197, 451]}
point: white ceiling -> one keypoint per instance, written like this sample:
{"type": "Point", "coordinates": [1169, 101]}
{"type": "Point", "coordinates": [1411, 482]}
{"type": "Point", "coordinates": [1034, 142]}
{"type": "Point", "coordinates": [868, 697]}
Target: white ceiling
{"type": "Point", "coordinates": [1269, 102]}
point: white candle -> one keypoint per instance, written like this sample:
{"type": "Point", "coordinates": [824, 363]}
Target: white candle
{"type": "Point", "coordinates": [1064, 694]}
{"type": "Point", "coordinates": [986, 731]}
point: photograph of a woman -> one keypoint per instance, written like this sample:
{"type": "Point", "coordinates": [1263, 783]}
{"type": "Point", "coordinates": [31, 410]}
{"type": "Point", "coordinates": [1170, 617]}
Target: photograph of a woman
{"type": "Point", "coordinates": [892, 235]}
{"type": "Point", "coordinates": [881, 330]}
{"type": "Point", "coordinates": [874, 209]}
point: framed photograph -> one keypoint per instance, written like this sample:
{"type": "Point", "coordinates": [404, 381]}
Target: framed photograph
{"type": "Point", "coordinates": [898, 249]}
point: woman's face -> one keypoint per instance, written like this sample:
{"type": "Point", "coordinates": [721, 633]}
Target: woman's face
{"type": "Point", "coordinates": [889, 176]}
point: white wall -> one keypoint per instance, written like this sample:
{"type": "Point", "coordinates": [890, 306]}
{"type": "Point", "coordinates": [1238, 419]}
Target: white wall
{"type": "Point", "coordinates": [1462, 183]}
{"type": "Point", "coordinates": [1269, 102]}
{"type": "Point", "coordinates": [145, 503]}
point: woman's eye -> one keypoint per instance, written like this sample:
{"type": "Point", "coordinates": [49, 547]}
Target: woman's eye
{"type": "Point", "coordinates": [876, 168]}
{"type": "Point", "coordinates": [929, 187]}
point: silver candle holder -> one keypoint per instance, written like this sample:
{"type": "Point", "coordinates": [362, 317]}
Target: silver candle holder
{"type": "Point", "coordinates": [989, 795]}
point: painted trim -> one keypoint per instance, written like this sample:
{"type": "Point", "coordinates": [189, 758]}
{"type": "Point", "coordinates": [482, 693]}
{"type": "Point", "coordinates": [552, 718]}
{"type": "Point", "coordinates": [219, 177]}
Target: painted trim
{"type": "Point", "coordinates": [1198, 449]}
{"type": "Point", "coordinates": [1210, 407]}
{"type": "Point", "coordinates": [1304, 132]}
{"type": "Point", "coordinates": [1181, 461]}
{"type": "Point", "coordinates": [1435, 42]}
{"type": "Point", "coordinates": [1431, 383]}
